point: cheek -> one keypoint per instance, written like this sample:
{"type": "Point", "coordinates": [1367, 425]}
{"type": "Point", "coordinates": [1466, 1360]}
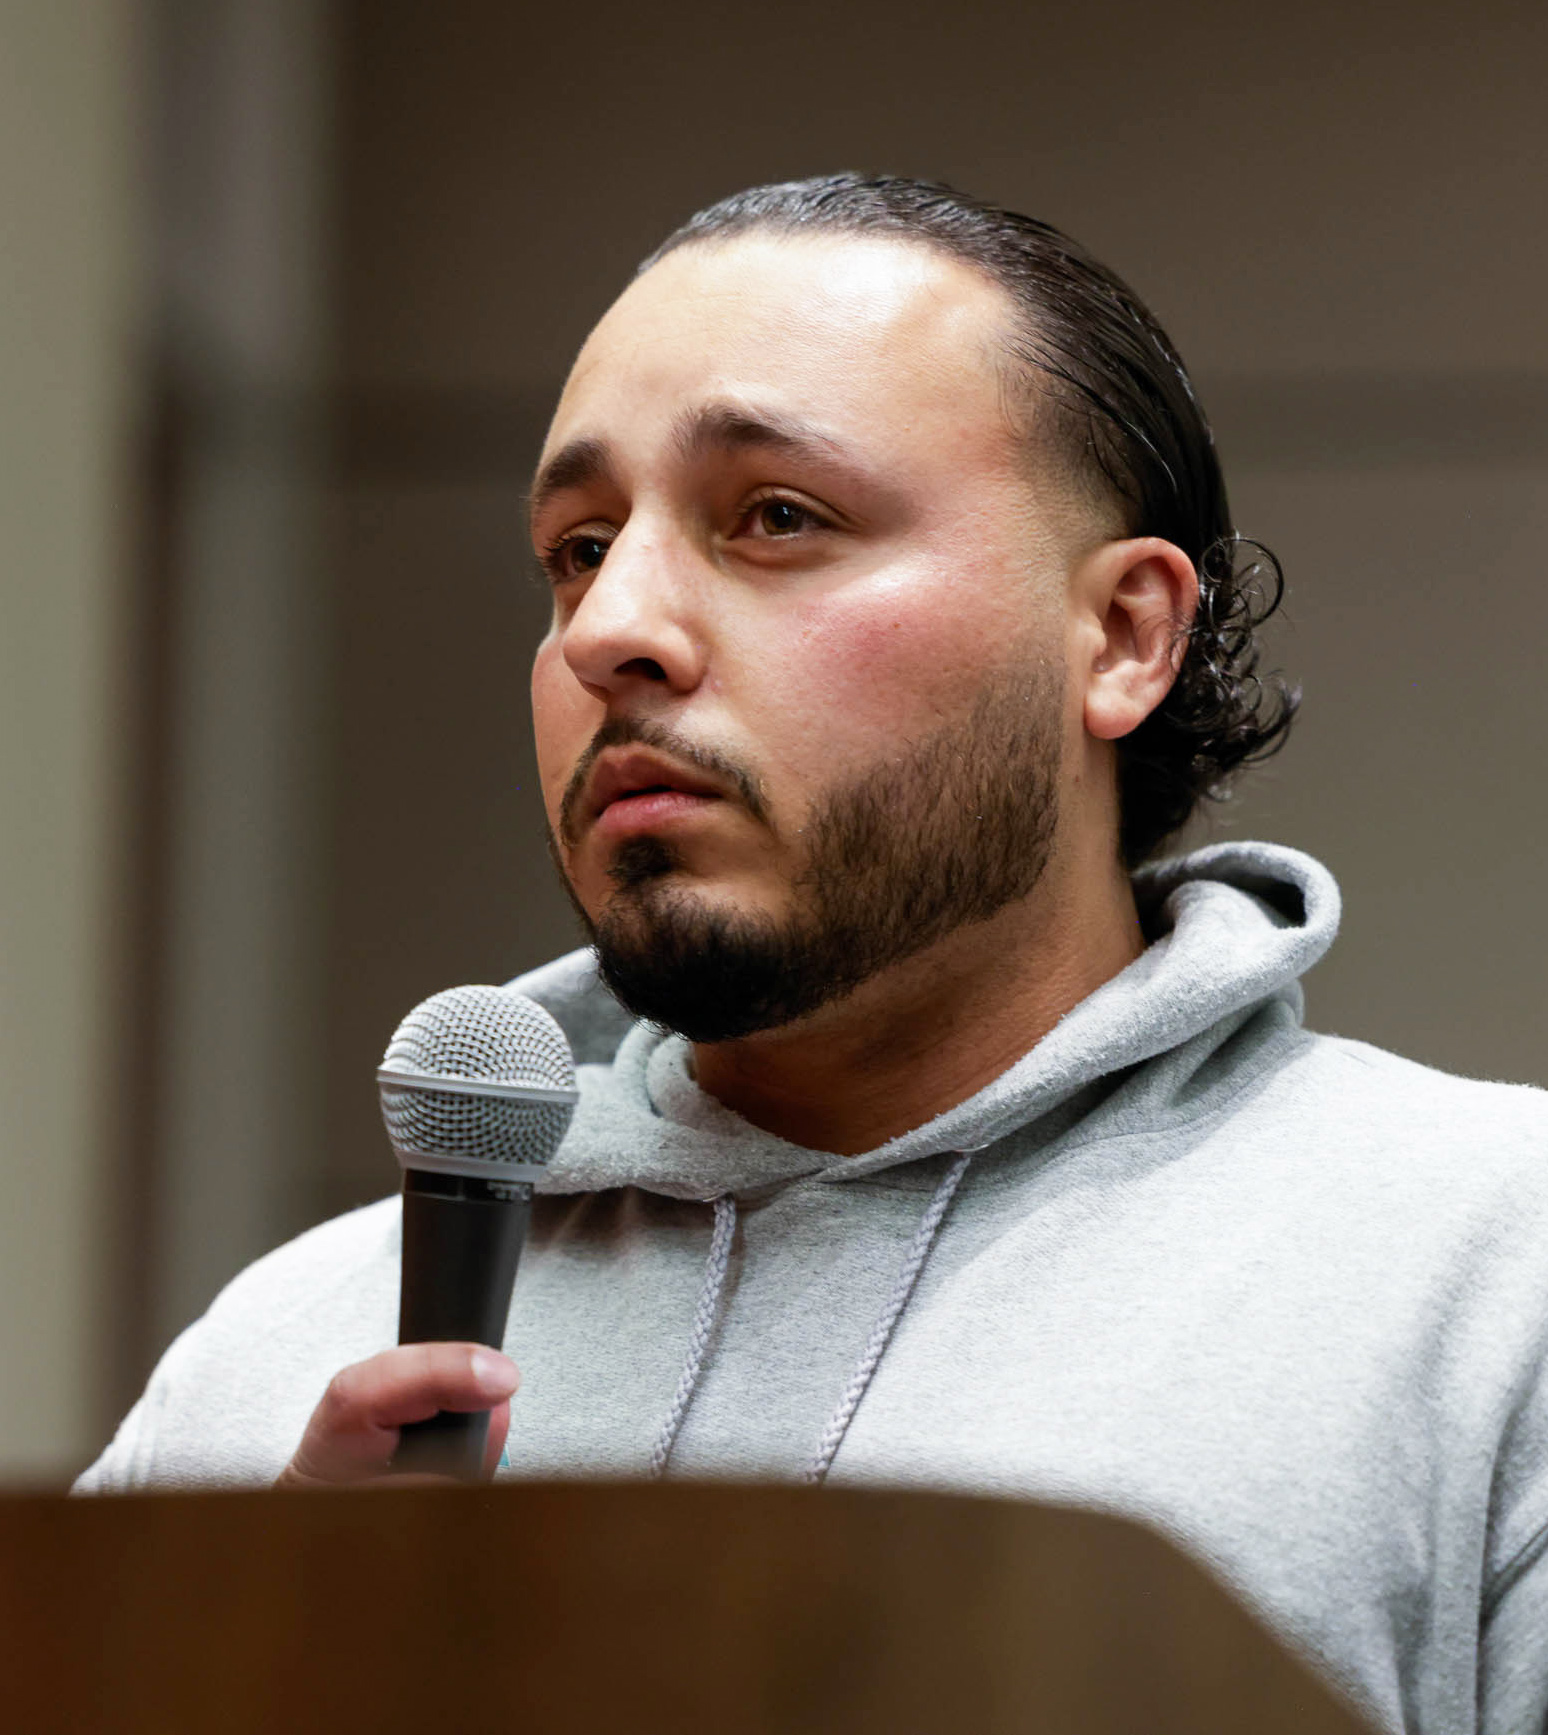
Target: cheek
{"type": "Point", "coordinates": [564, 718]}
{"type": "Point", "coordinates": [891, 658]}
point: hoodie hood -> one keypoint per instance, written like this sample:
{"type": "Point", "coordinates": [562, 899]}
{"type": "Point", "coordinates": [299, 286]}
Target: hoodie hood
{"type": "Point", "coordinates": [1230, 931]}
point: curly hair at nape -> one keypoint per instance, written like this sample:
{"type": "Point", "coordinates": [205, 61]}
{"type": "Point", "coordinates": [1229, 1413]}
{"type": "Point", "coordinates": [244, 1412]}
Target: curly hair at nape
{"type": "Point", "coordinates": [1220, 715]}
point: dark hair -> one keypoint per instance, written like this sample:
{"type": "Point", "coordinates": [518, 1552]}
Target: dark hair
{"type": "Point", "coordinates": [1124, 414]}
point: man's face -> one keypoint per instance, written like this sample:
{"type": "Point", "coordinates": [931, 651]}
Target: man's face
{"type": "Point", "coordinates": [809, 616]}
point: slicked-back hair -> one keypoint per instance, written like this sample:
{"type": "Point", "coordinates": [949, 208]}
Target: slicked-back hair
{"type": "Point", "coordinates": [1113, 398]}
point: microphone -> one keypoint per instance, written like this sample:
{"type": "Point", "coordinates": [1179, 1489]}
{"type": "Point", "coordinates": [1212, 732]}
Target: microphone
{"type": "Point", "coordinates": [477, 1089]}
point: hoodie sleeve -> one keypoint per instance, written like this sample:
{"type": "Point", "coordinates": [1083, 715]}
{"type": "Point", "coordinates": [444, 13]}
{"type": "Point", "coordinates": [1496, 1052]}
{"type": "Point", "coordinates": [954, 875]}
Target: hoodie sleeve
{"type": "Point", "coordinates": [230, 1399]}
{"type": "Point", "coordinates": [128, 1463]}
{"type": "Point", "coordinates": [1513, 1617]}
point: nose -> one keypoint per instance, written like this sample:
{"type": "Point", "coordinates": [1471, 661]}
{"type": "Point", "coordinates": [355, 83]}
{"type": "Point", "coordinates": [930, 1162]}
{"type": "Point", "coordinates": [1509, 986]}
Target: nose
{"type": "Point", "coordinates": [635, 625]}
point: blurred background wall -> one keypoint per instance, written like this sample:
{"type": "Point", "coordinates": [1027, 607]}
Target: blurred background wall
{"type": "Point", "coordinates": [289, 288]}
{"type": "Point", "coordinates": [68, 241]}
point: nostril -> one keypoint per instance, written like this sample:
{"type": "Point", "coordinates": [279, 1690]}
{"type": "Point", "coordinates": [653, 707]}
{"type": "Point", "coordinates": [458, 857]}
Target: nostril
{"type": "Point", "coordinates": [647, 668]}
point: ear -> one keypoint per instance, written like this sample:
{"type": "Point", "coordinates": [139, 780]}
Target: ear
{"type": "Point", "coordinates": [1134, 601]}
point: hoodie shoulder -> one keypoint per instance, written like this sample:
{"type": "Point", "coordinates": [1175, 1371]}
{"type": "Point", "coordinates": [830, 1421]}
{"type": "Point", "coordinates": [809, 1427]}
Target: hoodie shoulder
{"type": "Point", "coordinates": [1415, 1131]}
{"type": "Point", "coordinates": [572, 992]}
{"type": "Point", "coordinates": [1373, 1080]}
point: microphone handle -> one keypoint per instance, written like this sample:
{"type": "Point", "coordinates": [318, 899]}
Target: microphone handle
{"type": "Point", "coordinates": [462, 1239]}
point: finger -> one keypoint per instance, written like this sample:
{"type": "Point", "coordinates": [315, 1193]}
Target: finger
{"type": "Point", "coordinates": [499, 1427]}
{"type": "Point", "coordinates": [353, 1432]}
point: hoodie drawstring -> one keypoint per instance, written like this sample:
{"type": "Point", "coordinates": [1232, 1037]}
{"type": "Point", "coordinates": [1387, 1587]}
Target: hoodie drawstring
{"type": "Point", "coordinates": [881, 1332]}
{"type": "Point", "coordinates": [708, 1311]}
{"type": "Point", "coordinates": [704, 1317]}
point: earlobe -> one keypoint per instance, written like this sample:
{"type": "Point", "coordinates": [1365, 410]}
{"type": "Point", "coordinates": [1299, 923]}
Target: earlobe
{"type": "Point", "coordinates": [1142, 593]}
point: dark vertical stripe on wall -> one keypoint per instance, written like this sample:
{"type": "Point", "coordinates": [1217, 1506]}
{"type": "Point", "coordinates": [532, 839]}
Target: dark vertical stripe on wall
{"type": "Point", "coordinates": [147, 753]}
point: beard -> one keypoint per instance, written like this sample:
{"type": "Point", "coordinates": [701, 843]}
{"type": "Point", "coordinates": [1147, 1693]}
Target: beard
{"type": "Point", "coordinates": [956, 827]}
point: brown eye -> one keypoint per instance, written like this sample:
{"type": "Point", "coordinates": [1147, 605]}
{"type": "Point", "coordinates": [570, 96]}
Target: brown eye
{"type": "Point", "coordinates": [782, 517]}
{"type": "Point", "coordinates": [571, 556]}
{"type": "Point", "coordinates": [586, 553]}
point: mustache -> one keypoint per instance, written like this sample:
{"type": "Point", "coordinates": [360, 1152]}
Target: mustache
{"type": "Point", "coordinates": [625, 731]}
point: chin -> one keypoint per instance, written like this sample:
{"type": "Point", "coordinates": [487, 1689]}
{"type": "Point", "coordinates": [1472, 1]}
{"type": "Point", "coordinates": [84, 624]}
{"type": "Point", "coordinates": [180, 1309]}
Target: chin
{"type": "Point", "coordinates": [712, 969]}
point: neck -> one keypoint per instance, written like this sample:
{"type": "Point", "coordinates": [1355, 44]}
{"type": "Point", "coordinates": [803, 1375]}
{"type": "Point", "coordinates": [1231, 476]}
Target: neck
{"type": "Point", "coordinates": [927, 1034]}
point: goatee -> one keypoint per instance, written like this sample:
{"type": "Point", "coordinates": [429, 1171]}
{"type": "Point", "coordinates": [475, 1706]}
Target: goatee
{"type": "Point", "coordinates": [948, 833]}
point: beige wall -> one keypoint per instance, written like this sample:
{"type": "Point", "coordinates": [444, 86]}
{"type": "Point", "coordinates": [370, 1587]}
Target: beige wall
{"type": "Point", "coordinates": [67, 156]}
{"type": "Point", "coordinates": [241, 295]}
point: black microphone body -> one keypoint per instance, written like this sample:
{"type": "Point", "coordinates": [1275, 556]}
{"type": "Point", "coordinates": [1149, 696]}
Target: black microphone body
{"type": "Point", "coordinates": [462, 1240]}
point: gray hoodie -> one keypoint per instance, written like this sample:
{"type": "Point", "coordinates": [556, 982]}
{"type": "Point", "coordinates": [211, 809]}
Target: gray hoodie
{"type": "Point", "coordinates": [1282, 1296]}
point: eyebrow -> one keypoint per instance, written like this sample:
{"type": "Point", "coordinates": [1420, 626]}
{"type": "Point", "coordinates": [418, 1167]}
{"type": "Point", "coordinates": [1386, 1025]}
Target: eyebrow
{"type": "Point", "coordinates": [576, 465]}
{"type": "Point", "coordinates": [710, 428]}
{"type": "Point", "coordinates": [730, 428]}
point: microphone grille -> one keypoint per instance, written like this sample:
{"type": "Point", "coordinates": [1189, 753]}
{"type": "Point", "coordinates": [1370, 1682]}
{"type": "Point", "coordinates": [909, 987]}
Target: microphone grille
{"type": "Point", "coordinates": [472, 1036]}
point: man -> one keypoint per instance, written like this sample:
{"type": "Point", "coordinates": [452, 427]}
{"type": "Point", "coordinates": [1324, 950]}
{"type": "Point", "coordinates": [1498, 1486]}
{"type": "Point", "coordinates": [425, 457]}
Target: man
{"type": "Point", "coordinates": [898, 620]}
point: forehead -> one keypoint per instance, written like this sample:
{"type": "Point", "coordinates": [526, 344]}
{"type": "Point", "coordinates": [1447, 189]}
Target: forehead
{"type": "Point", "coordinates": [887, 345]}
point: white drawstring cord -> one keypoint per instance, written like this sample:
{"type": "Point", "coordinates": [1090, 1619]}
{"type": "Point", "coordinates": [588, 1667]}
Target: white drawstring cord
{"type": "Point", "coordinates": [881, 1332]}
{"type": "Point", "coordinates": [703, 1326]}
{"type": "Point", "coordinates": [708, 1311]}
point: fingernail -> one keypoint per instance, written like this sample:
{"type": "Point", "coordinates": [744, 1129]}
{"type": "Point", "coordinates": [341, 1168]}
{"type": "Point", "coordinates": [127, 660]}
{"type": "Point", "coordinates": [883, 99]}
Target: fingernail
{"type": "Point", "coordinates": [494, 1371]}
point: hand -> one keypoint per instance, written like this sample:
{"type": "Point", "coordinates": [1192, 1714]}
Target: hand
{"type": "Point", "coordinates": [353, 1432]}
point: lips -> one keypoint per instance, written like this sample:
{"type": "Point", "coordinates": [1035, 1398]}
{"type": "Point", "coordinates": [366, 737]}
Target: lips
{"type": "Point", "coordinates": [644, 776]}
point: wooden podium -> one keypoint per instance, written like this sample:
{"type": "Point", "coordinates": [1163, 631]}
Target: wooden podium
{"type": "Point", "coordinates": [623, 1610]}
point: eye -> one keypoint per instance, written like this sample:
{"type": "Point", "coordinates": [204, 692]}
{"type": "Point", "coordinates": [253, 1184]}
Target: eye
{"type": "Point", "coordinates": [779, 517]}
{"type": "Point", "coordinates": [574, 555]}
{"type": "Point", "coordinates": [782, 517]}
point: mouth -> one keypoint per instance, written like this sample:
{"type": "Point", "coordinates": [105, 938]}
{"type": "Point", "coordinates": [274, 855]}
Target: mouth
{"type": "Point", "coordinates": [638, 789]}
